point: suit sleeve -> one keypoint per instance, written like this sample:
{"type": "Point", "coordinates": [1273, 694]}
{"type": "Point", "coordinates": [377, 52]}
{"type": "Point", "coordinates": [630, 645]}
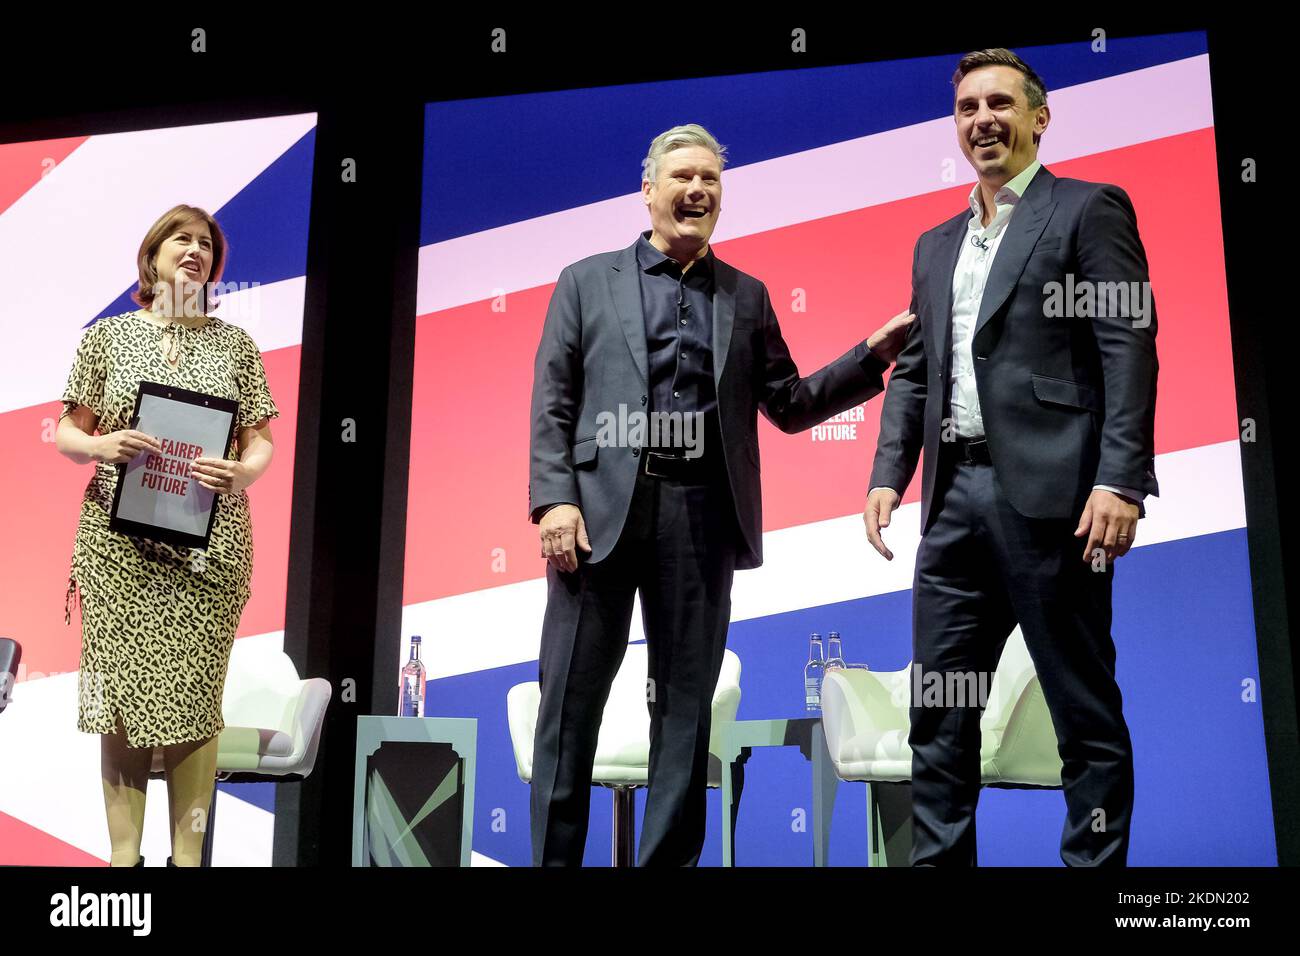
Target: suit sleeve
{"type": "Point", "coordinates": [557, 389]}
{"type": "Point", "coordinates": [1110, 251]}
{"type": "Point", "coordinates": [902, 419]}
{"type": "Point", "coordinates": [793, 403]}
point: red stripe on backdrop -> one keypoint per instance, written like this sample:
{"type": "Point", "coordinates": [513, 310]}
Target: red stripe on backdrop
{"type": "Point", "coordinates": [467, 526]}
{"type": "Point", "coordinates": [41, 503]}
{"type": "Point", "coordinates": [23, 845]}
{"type": "Point", "coordinates": [271, 500]}
{"type": "Point", "coordinates": [22, 165]}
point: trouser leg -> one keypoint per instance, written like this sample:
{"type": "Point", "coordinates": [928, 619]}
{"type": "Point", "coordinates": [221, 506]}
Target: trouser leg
{"type": "Point", "coordinates": [1063, 606]}
{"type": "Point", "coordinates": [584, 638]}
{"type": "Point", "coordinates": [686, 603]}
{"type": "Point", "coordinates": [960, 621]}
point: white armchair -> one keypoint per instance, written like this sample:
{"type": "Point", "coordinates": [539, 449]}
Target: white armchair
{"type": "Point", "coordinates": [623, 747]}
{"type": "Point", "coordinates": [865, 718]}
{"type": "Point", "coordinates": [11, 652]}
{"type": "Point", "coordinates": [273, 722]}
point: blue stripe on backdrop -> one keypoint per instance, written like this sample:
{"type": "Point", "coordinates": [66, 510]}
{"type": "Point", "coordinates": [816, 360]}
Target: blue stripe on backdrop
{"type": "Point", "coordinates": [258, 794]}
{"type": "Point", "coordinates": [265, 224]}
{"type": "Point", "coordinates": [498, 160]}
{"type": "Point", "coordinates": [1202, 778]}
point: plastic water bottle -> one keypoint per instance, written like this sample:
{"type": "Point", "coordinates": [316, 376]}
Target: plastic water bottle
{"type": "Point", "coordinates": [834, 650]}
{"type": "Point", "coordinates": [410, 702]}
{"type": "Point", "coordinates": [812, 674]}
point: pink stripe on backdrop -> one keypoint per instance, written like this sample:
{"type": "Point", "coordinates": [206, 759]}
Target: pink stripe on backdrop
{"type": "Point", "coordinates": [68, 245]}
{"type": "Point", "coordinates": [848, 273]}
{"type": "Point", "coordinates": [1089, 118]}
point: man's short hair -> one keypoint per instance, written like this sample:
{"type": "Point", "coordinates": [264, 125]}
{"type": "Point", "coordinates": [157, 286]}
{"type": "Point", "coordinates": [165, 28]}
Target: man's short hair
{"type": "Point", "coordinates": [691, 134]}
{"type": "Point", "coordinates": [1035, 91]}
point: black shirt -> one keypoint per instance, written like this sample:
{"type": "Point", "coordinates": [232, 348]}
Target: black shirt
{"type": "Point", "coordinates": [678, 309]}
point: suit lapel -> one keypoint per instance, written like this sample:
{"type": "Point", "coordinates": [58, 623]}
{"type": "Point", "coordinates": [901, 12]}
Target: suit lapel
{"type": "Point", "coordinates": [625, 287]}
{"type": "Point", "coordinates": [950, 239]}
{"type": "Point", "coordinates": [724, 314]}
{"type": "Point", "coordinates": [1023, 230]}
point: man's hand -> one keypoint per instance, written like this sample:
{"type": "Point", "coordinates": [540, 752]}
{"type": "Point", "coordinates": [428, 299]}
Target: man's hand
{"type": "Point", "coordinates": [880, 505]}
{"type": "Point", "coordinates": [560, 529]}
{"type": "Point", "coordinates": [1110, 522]}
{"type": "Point", "coordinates": [887, 341]}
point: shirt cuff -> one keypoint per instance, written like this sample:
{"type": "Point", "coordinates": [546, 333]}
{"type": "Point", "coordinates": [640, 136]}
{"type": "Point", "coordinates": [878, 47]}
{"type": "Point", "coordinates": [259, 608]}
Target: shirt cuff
{"type": "Point", "coordinates": [869, 361]}
{"type": "Point", "coordinates": [1133, 493]}
{"type": "Point", "coordinates": [540, 511]}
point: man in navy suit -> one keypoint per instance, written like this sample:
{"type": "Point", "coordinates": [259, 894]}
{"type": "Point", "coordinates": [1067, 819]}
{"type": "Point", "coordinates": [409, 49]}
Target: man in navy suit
{"type": "Point", "coordinates": [1029, 379]}
{"type": "Point", "coordinates": [654, 363]}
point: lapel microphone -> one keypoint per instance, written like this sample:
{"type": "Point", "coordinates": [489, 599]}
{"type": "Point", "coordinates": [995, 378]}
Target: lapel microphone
{"type": "Point", "coordinates": [979, 243]}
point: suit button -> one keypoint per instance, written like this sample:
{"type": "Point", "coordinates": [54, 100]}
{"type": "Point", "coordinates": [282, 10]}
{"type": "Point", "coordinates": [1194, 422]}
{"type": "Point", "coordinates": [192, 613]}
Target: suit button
{"type": "Point", "coordinates": [636, 452]}
{"type": "Point", "coordinates": [642, 399]}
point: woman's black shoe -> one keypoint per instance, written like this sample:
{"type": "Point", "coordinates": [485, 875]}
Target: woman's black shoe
{"type": "Point", "coordinates": [139, 862]}
{"type": "Point", "coordinates": [169, 862]}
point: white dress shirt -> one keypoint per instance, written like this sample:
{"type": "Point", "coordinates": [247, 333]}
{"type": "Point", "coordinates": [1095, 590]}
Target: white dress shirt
{"type": "Point", "coordinates": [978, 250]}
{"type": "Point", "coordinates": [968, 282]}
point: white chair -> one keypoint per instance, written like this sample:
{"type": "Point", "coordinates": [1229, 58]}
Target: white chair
{"type": "Point", "coordinates": [623, 746]}
{"type": "Point", "coordinates": [11, 652]}
{"type": "Point", "coordinates": [865, 718]}
{"type": "Point", "coordinates": [273, 723]}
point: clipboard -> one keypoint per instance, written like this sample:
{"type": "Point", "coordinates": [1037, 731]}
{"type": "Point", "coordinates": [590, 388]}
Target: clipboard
{"type": "Point", "coordinates": [155, 498]}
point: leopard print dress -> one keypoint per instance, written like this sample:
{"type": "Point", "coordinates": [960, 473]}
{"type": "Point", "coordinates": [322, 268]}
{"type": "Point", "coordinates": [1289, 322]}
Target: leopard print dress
{"type": "Point", "coordinates": [158, 622]}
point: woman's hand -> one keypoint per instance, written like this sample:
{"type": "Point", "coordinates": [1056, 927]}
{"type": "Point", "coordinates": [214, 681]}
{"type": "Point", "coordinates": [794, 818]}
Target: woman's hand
{"type": "Point", "coordinates": [221, 475]}
{"type": "Point", "coordinates": [118, 447]}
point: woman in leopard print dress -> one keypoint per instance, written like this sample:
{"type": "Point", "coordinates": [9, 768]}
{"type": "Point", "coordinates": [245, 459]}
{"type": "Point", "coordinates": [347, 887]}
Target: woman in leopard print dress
{"type": "Point", "coordinates": [158, 621]}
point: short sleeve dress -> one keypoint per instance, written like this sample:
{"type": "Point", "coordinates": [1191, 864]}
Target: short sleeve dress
{"type": "Point", "coordinates": [158, 622]}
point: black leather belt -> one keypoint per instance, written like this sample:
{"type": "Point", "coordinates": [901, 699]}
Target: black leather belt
{"type": "Point", "coordinates": [973, 451]}
{"type": "Point", "coordinates": [675, 467]}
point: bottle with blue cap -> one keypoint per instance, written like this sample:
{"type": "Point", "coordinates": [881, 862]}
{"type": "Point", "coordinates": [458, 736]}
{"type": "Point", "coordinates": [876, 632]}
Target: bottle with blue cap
{"type": "Point", "coordinates": [813, 672]}
{"type": "Point", "coordinates": [834, 651]}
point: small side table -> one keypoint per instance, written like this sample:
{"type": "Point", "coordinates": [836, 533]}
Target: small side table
{"type": "Point", "coordinates": [806, 733]}
{"type": "Point", "coordinates": [450, 789]}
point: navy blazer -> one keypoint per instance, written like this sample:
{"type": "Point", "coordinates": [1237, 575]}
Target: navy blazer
{"type": "Point", "coordinates": [1068, 402]}
{"type": "Point", "coordinates": [592, 359]}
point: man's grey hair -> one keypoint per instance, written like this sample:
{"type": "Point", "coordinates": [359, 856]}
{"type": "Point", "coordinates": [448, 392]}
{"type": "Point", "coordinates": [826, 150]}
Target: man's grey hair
{"type": "Point", "coordinates": [691, 134]}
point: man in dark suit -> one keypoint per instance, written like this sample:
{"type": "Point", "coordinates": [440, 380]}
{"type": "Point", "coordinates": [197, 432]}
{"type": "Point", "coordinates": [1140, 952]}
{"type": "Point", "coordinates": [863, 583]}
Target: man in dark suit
{"type": "Point", "coordinates": [653, 365]}
{"type": "Point", "coordinates": [1031, 387]}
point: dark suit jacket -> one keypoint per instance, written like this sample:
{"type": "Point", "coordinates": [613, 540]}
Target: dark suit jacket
{"type": "Point", "coordinates": [592, 359]}
{"type": "Point", "coordinates": [1067, 402]}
